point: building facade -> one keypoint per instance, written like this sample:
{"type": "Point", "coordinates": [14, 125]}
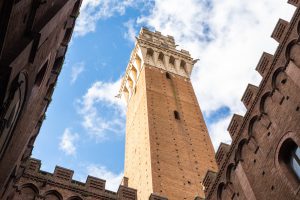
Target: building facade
{"type": "Point", "coordinates": [168, 149]}
{"type": "Point", "coordinates": [263, 161]}
{"type": "Point", "coordinates": [34, 38]}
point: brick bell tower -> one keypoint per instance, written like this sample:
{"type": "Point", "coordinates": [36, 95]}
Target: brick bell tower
{"type": "Point", "coordinates": [168, 149]}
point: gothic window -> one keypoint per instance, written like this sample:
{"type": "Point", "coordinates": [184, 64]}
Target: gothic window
{"type": "Point", "coordinates": [176, 115]}
{"type": "Point", "coordinates": [289, 159]}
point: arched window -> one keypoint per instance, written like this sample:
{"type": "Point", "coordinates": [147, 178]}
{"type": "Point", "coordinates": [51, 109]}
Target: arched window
{"type": "Point", "coordinates": [172, 60]}
{"type": "Point", "coordinates": [182, 64]}
{"type": "Point", "coordinates": [289, 159]}
{"type": "Point", "coordinates": [161, 57]}
{"type": "Point", "coordinates": [150, 52]}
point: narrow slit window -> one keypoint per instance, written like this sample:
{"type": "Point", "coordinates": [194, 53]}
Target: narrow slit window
{"type": "Point", "coordinates": [176, 115]}
{"type": "Point", "coordinates": [168, 76]}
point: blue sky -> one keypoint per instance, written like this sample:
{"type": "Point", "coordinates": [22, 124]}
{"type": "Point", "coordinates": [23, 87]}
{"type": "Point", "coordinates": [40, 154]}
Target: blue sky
{"type": "Point", "coordinates": [85, 125]}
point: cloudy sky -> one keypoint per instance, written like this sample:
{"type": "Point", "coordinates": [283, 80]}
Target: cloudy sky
{"type": "Point", "coordinates": [85, 125]}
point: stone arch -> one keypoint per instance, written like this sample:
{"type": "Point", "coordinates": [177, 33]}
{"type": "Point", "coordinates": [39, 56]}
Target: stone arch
{"type": "Point", "coordinates": [130, 82]}
{"type": "Point", "coordinates": [172, 60]}
{"type": "Point", "coordinates": [133, 73]}
{"type": "Point", "coordinates": [161, 56]}
{"type": "Point", "coordinates": [138, 62]}
{"type": "Point", "coordinates": [150, 52]}
{"type": "Point", "coordinates": [74, 198]}
{"type": "Point", "coordinates": [229, 170]}
{"type": "Point", "coordinates": [161, 60]}
{"type": "Point", "coordinates": [53, 195]}
{"type": "Point", "coordinates": [274, 77]}
{"type": "Point", "coordinates": [150, 56]}
{"type": "Point", "coordinates": [220, 190]}
{"type": "Point", "coordinates": [263, 101]}
{"type": "Point", "coordinates": [28, 191]}
{"type": "Point", "coordinates": [238, 153]}
{"type": "Point", "coordinates": [252, 122]}
{"type": "Point", "coordinates": [183, 65]}
{"type": "Point", "coordinates": [289, 49]}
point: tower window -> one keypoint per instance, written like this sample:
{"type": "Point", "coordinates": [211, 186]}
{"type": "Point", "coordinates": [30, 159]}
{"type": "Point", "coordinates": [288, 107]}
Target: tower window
{"type": "Point", "coordinates": [168, 76]}
{"type": "Point", "coordinates": [161, 56]}
{"type": "Point", "coordinates": [176, 115]}
{"type": "Point", "coordinates": [172, 60]}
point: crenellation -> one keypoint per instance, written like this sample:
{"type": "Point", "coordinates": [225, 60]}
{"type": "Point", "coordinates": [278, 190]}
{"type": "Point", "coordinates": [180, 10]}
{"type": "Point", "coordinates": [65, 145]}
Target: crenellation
{"type": "Point", "coordinates": [294, 2]}
{"type": "Point", "coordinates": [62, 178]}
{"type": "Point", "coordinates": [280, 28]}
{"type": "Point", "coordinates": [249, 95]}
{"type": "Point", "coordinates": [34, 164]}
{"type": "Point", "coordinates": [63, 173]}
{"type": "Point", "coordinates": [234, 125]}
{"type": "Point", "coordinates": [208, 180]}
{"type": "Point", "coordinates": [264, 64]}
{"type": "Point", "coordinates": [126, 193]}
{"type": "Point", "coordinates": [221, 153]}
{"type": "Point", "coordinates": [151, 52]}
{"type": "Point", "coordinates": [94, 183]}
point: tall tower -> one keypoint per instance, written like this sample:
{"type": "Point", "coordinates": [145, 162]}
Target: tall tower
{"type": "Point", "coordinates": [168, 149]}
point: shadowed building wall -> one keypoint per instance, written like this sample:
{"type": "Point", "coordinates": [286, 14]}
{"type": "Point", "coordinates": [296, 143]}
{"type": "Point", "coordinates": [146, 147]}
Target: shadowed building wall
{"type": "Point", "coordinates": [34, 38]}
{"type": "Point", "coordinates": [263, 161]}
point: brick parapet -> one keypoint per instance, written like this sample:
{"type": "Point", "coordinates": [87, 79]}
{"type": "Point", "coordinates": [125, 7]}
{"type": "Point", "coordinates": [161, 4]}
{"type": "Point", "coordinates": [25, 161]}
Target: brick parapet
{"type": "Point", "coordinates": [62, 178]}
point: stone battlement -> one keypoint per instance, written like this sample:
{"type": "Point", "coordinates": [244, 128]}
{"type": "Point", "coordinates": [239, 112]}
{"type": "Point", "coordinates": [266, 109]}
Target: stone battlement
{"type": "Point", "coordinates": [62, 174]}
{"type": "Point", "coordinates": [64, 177]}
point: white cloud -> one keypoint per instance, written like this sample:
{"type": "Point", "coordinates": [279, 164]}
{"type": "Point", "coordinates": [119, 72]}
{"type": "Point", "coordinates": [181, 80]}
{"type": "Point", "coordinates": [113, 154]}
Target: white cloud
{"type": "Point", "coordinates": [67, 142]}
{"type": "Point", "coordinates": [217, 131]}
{"type": "Point", "coordinates": [131, 31]}
{"type": "Point", "coordinates": [229, 37]}
{"type": "Point", "coordinates": [77, 69]}
{"type": "Point", "coordinates": [99, 99]}
{"type": "Point", "coordinates": [112, 180]}
{"type": "Point", "coordinates": [93, 10]}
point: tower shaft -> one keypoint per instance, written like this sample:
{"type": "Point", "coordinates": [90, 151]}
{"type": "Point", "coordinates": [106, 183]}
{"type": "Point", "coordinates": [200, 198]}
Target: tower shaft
{"type": "Point", "coordinates": [168, 149]}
